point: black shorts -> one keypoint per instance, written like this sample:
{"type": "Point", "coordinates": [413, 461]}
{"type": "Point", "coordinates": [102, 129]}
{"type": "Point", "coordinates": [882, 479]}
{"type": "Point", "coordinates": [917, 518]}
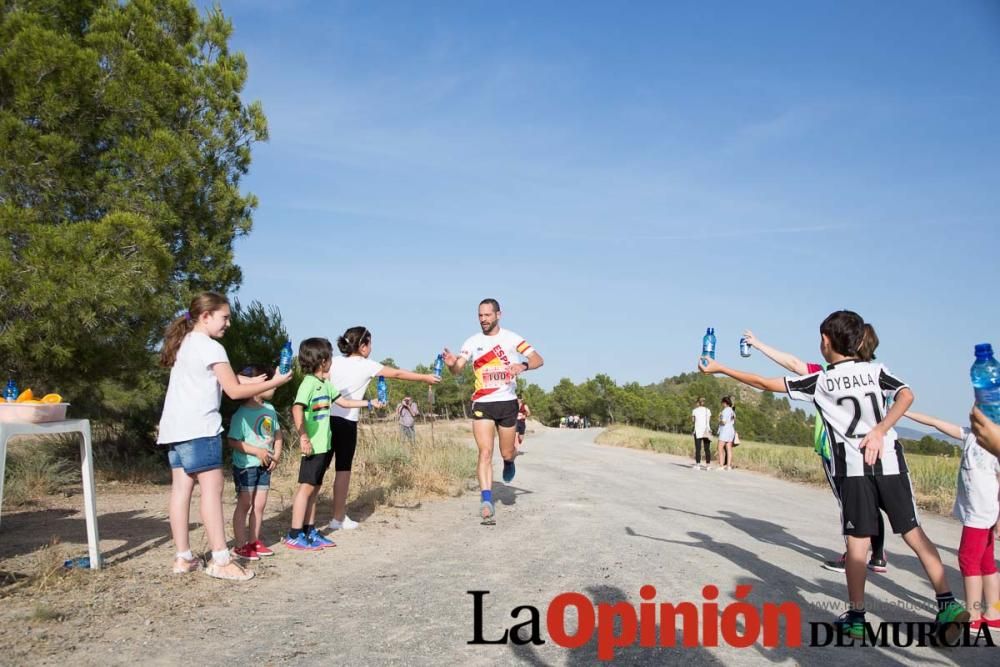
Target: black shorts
{"type": "Point", "coordinates": [312, 468]}
{"type": "Point", "coordinates": [521, 426]}
{"type": "Point", "coordinates": [861, 498]}
{"type": "Point", "coordinates": [344, 441]}
{"type": "Point", "coordinates": [501, 413]}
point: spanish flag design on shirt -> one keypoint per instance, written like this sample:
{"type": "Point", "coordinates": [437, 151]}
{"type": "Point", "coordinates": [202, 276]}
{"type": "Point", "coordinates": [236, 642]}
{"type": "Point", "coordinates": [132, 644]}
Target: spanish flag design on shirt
{"type": "Point", "coordinates": [492, 357]}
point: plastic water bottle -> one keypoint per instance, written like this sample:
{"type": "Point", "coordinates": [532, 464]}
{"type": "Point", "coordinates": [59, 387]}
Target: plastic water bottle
{"type": "Point", "coordinates": [744, 347]}
{"type": "Point", "coordinates": [383, 390]}
{"type": "Point", "coordinates": [285, 360]}
{"type": "Point", "coordinates": [708, 344]}
{"type": "Point", "coordinates": [10, 393]}
{"type": "Point", "coordinates": [985, 374]}
{"type": "Point", "coordinates": [438, 366]}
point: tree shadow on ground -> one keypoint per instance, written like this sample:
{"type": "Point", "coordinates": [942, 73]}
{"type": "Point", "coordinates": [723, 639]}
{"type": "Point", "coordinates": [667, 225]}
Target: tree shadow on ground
{"type": "Point", "coordinates": [627, 655]}
{"type": "Point", "coordinates": [26, 532]}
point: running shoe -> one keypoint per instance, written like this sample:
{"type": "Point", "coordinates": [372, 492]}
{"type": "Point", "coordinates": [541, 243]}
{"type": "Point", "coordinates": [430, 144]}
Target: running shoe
{"type": "Point", "coordinates": [988, 622]}
{"type": "Point", "coordinates": [347, 524]}
{"type": "Point", "coordinates": [316, 537]}
{"type": "Point", "coordinates": [488, 513]}
{"type": "Point", "coordinates": [508, 472]}
{"type": "Point", "coordinates": [852, 627]}
{"type": "Point", "coordinates": [839, 565]}
{"type": "Point", "coordinates": [300, 543]}
{"type": "Point", "coordinates": [262, 549]}
{"type": "Point", "coordinates": [880, 565]}
{"type": "Point", "coordinates": [953, 616]}
{"type": "Point", "coordinates": [247, 551]}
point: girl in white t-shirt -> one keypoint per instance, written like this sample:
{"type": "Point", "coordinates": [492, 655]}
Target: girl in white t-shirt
{"type": "Point", "coordinates": [191, 426]}
{"type": "Point", "coordinates": [350, 375]}
{"type": "Point", "coordinates": [977, 507]}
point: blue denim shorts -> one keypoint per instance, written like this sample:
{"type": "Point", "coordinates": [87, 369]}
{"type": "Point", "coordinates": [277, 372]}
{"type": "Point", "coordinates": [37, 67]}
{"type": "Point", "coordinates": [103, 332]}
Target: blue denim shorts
{"type": "Point", "coordinates": [251, 479]}
{"type": "Point", "coordinates": [196, 455]}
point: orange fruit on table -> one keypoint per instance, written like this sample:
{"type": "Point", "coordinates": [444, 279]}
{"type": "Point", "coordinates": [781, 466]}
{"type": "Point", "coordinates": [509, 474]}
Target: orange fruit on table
{"type": "Point", "coordinates": [52, 398]}
{"type": "Point", "coordinates": [25, 396]}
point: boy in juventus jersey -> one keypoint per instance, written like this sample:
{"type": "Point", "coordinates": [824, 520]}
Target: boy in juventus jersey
{"type": "Point", "coordinates": [821, 443]}
{"type": "Point", "coordinates": [851, 397]}
{"type": "Point", "coordinates": [498, 356]}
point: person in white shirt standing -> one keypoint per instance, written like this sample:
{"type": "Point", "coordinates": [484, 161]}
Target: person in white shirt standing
{"type": "Point", "coordinates": [191, 427]}
{"type": "Point", "coordinates": [702, 418]}
{"type": "Point", "coordinates": [350, 375]}
{"type": "Point", "coordinates": [977, 507]}
{"type": "Point", "coordinates": [498, 356]}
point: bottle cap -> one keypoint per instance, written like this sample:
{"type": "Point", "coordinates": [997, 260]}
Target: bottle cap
{"type": "Point", "coordinates": [984, 350]}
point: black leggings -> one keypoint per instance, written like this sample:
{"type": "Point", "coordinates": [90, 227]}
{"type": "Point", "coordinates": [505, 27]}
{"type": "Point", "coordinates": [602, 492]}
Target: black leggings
{"type": "Point", "coordinates": [344, 442]}
{"type": "Point", "coordinates": [707, 443]}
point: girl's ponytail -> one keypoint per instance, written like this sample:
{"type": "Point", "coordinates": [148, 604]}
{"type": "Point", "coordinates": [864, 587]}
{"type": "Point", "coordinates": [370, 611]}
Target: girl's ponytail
{"type": "Point", "coordinates": [869, 343]}
{"type": "Point", "coordinates": [206, 302]}
{"type": "Point", "coordinates": [353, 339]}
{"type": "Point", "coordinates": [176, 331]}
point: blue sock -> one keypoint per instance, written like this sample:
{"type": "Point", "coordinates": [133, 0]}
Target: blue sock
{"type": "Point", "coordinates": [487, 496]}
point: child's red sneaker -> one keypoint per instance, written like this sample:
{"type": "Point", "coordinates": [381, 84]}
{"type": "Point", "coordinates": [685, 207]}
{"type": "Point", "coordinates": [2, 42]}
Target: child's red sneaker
{"type": "Point", "coordinates": [247, 551]}
{"type": "Point", "coordinates": [261, 549]}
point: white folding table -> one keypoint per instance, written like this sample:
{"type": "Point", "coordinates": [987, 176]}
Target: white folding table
{"type": "Point", "coordinates": [9, 430]}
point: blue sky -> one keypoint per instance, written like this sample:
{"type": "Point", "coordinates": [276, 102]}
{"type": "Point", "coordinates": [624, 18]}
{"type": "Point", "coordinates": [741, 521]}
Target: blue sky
{"type": "Point", "coordinates": [621, 176]}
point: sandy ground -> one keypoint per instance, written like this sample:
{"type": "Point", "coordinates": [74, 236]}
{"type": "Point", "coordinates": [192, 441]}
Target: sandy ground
{"type": "Point", "coordinates": [579, 517]}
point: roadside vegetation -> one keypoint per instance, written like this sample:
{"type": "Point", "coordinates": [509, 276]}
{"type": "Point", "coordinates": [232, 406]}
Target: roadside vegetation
{"type": "Point", "coordinates": [933, 477]}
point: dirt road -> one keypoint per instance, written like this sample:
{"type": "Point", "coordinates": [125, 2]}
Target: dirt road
{"type": "Point", "coordinates": [579, 517]}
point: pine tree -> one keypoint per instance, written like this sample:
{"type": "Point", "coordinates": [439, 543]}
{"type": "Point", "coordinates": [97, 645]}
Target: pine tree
{"type": "Point", "coordinates": [123, 139]}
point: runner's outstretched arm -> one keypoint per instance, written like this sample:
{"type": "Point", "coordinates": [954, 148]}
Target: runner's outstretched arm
{"type": "Point", "coordinates": [454, 363]}
{"type": "Point", "coordinates": [783, 359]}
{"type": "Point", "coordinates": [712, 367]}
{"type": "Point", "coordinates": [947, 428]}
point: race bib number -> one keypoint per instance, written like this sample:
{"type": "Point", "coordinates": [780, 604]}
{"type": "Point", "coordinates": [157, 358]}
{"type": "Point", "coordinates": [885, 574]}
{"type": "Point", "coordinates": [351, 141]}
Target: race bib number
{"type": "Point", "coordinates": [495, 377]}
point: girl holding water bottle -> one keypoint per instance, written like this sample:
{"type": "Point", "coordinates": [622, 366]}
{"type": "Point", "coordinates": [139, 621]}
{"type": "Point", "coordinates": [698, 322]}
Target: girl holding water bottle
{"type": "Point", "coordinates": [191, 427]}
{"type": "Point", "coordinates": [350, 375]}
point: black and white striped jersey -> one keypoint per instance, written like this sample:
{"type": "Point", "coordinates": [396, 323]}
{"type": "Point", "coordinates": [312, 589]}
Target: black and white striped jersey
{"type": "Point", "coordinates": [851, 397]}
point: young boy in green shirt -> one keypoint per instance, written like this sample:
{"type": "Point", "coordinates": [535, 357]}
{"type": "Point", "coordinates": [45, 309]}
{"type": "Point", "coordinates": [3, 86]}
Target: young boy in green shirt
{"type": "Point", "coordinates": [311, 414]}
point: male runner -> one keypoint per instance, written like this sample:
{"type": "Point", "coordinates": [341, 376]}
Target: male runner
{"type": "Point", "coordinates": [498, 356]}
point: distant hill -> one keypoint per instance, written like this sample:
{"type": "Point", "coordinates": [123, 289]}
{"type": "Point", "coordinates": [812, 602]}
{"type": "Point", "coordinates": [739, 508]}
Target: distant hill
{"type": "Point", "coordinates": [915, 434]}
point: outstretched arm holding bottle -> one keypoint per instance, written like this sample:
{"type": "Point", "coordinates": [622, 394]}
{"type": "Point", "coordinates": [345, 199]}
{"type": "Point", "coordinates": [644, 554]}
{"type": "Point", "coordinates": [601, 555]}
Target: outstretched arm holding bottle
{"type": "Point", "coordinates": [783, 359]}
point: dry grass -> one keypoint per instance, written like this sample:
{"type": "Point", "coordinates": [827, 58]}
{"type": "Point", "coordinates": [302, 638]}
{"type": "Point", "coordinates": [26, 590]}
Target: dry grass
{"type": "Point", "coordinates": [933, 477]}
{"type": "Point", "coordinates": [389, 471]}
{"type": "Point", "coordinates": [36, 468]}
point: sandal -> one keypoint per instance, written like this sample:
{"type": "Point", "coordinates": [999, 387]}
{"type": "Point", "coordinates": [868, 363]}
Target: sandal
{"type": "Point", "coordinates": [183, 565]}
{"type": "Point", "coordinates": [230, 571]}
